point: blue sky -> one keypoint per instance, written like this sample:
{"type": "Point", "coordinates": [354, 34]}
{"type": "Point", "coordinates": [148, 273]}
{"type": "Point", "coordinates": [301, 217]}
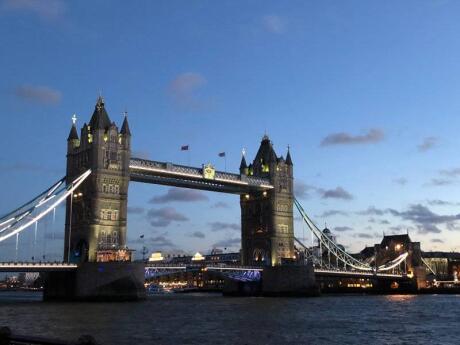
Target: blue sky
{"type": "Point", "coordinates": [364, 92]}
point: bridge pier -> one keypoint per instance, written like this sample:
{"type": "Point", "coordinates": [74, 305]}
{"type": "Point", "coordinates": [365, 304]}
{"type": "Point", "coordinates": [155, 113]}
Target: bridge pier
{"type": "Point", "coordinates": [280, 280]}
{"type": "Point", "coordinates": [97, 281]}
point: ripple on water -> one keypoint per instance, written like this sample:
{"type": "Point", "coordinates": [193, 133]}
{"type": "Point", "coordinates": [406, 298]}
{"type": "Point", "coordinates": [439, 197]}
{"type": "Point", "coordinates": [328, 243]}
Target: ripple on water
{"type": "Point", "coordinates": [212, 319]}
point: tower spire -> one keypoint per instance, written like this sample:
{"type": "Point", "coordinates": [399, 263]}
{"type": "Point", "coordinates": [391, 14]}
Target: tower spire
{"type": "Point", "coordinates": [125, 126]}
{"type": "Point", "coordinates": [243, 165]}
{"type": "Point", "coordinates": [100, 118]}
{"type": "Point", "coordinates": [288, 157]}
{"type": "Point", "coordinates": [73, 135]}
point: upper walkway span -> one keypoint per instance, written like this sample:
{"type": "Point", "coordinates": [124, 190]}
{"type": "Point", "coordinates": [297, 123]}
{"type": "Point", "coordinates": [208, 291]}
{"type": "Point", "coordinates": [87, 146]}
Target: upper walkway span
{"type": "Point", "coordinates": [205, 178]}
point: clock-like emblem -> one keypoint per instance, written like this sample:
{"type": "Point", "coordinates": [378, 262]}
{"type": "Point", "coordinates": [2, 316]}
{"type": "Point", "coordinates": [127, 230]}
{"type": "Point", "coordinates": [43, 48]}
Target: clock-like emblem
{"type": "Point", "coordinates": [209, 172]}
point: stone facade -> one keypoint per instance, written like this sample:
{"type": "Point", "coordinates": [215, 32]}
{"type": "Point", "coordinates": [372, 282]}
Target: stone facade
{"type": "Point", "coordinates": [267, 217]}
{"type": "Point", "coordinates": [96, 213]}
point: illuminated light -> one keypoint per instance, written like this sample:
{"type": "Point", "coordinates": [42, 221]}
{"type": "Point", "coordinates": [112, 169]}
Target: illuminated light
{"type": "Point", "coordinates": [156, 257]}
{"type": "Point", "coordinates": [106, 137]}
{"type": "Point", "coordinates": [394, 285]}
{"type": "Point", "coordinates": [77, 182]}
{"type": "Point", "coordinates": [398, 246]}
{"type": "Point", "coordinates": [7, 221]}
{"type": "Point", "coordinates": [80, 194]}
{"type": "Point", "coordinates": [264, 193]}
{"type": "Point", "coordinates": [90, 138]}
{"type": "Point", "coordinates": [197, 257]}
{"type": "Point", "coordinates": [247, 196]}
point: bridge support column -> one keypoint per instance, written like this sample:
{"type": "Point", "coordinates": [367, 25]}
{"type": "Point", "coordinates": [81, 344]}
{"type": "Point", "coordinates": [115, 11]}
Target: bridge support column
{"type": "Point", "coordinates": [289, 280]}
{"type": "Point", "coordinates": [94, 281]}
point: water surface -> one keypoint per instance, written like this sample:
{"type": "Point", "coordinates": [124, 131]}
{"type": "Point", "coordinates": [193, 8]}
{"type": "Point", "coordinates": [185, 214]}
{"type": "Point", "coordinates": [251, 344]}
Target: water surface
{"type": "Point", "coordinates": [213, 319]}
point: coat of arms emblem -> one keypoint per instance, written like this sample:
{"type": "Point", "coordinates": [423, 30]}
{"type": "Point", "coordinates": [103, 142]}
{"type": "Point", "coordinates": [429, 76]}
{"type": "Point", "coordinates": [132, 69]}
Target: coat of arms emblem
{"type": "Point", "coordinates": [209, 172]}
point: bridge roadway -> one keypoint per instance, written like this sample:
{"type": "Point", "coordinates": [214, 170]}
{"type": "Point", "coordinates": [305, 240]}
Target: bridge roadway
{"type": "Point", "coordinates": [36, 266]}
{"type": "Point", "coordinates": [62, 266]}
{"type": "Point", "coordinates": [147, 171]}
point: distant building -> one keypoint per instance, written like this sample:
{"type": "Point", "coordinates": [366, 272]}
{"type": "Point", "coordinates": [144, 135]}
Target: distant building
{"type": "Point", "coordinates": [444, 265]}
{"type": "Point", "coordinates": [217, 257]}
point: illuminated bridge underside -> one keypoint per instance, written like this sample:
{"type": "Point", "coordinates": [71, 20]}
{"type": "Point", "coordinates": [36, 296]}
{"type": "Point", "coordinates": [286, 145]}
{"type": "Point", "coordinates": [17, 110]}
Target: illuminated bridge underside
{"type": "Point", "coordinates": [169, 174]}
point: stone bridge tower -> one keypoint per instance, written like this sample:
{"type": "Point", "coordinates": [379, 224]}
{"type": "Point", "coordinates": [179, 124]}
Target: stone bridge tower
{"type": "Point", "coordinates": [267, 217]}
{"type": "Point", "coordinates": [96, 213]}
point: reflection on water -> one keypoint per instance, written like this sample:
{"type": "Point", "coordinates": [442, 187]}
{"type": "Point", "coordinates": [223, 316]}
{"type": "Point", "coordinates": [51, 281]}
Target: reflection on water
{"type": "Point", "coordinates": [400, 298]}
{"type": "Point", "coordinates": [213, 319]}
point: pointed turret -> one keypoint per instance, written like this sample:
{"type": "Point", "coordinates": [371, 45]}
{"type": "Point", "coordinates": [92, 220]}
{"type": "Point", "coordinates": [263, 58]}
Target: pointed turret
{"type": "Point", "coordinates": [288, 157]}
{"type": "Point", "coordinates": [73, 135]}
{"type": "Point", "coordinates": [266, 152]}
{"type": "Point", "coordinates": [125, 127]}
{"type": "Point", "coordinates": [243, 166]}
{"type": "Point", "coordinates": [100, 118]}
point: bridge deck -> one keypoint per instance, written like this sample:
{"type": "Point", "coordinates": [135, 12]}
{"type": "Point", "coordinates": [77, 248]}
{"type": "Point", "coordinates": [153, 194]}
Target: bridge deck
{"type": "Point", "coordinates": [169, 174]}
{"type": "Point", "coordinates": [36, 266]}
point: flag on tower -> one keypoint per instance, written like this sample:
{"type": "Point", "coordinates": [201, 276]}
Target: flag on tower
{"type": "Point", "coordinates": [221, 154]}
{"type": "Point", "coordinates": [184, 148]}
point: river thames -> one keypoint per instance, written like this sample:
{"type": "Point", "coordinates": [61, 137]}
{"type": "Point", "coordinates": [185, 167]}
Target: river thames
{"type": "Point", "coordinates": [213, 319]}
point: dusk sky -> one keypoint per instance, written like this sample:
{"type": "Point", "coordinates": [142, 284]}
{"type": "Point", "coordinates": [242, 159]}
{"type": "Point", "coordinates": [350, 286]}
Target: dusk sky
{"type": "Point", "coordinates": [366, 94]}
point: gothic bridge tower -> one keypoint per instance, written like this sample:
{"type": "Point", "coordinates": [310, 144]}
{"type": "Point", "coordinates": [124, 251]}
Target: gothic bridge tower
{"type": "Point", "coordinates": [95, 224]}
{"type": "Point", "coordinates": [267, 217]}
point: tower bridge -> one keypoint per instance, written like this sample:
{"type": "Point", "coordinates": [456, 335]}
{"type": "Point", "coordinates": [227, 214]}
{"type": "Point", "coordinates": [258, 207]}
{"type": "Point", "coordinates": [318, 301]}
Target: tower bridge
{"type": "Point", "coordinates": [96, 219]}
{"type": "Point", "coordinates": [99, 170]}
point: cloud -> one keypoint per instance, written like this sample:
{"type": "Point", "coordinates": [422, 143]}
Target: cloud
{"type": "Point", "coordinates": [437, 240]}
{"type": "Point", "coordinates": [440, 182]}
{"type": "Point", "coordinates": [379, 221]}
{"type": "Point", "coordinates": [135, 210]}
{"type": "Point", "coordinates": [183, 90]}
{"type": "Point", "coordinates": [454, 172]}
{"type": "Point", "coordinates": [427, 144]}
{"type": "Point", "coordinates": [38, 94]}
{"type": "Point", "coordinates": [160, 242]}
{"type": "Point", "coordinates": [401, 181]}
{"type": "Point", "coordinates": [45, 9]}
{"type": "Point", "coordinates": [426, 220]}
{"type": "Point", "coordinates": [342, 228]}
{"type": "Point", "coordinates": [342, 138]}
{"type": "Point", "coordinates": [372, 211]}
{"type": "Point", "coordinates": [437, 202]}
{"type": "Point", "coordinates": [274, 24]}
{"type": "Point", "coordinates": [230, 242]}
{"type": "Point", "coordinates": [363, 235]}
{"type": "Point", "coordinates": [179, 195]}
{"type": "Point", "coordinates": [164, 216]}
{"type": "Point", "coordinates": [220, 204]}
{"type": "Point", "coordinates": [197, 234]}
{"type": "Point", "coordinates": [301, 189]}
{"type": "Point", "coordinates": [337, 193]}
{"type": "Point", "coordinates": [330, 213]}
{"type": "Point", "coordinates": [220, 226]}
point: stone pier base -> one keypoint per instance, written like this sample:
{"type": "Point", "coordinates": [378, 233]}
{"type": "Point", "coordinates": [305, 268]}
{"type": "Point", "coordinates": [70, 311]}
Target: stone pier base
{"type": "Point", "coordinates": [289, 280]}
{"type": "Point", "coordinates": [93, 281]}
